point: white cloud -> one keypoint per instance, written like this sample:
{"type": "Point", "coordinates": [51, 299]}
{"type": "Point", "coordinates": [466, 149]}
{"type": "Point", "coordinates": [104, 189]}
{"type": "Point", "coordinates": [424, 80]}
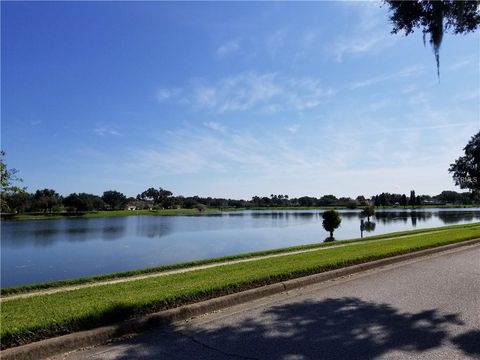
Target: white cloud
{"type": "Point", "coordinates": [409, 71]}
{"type": "Point", "coordinates": [228, 48]}
{"type": "Point", "coordinates": [385, 161]}
{"type": "Point", "coordinates": [362, 44]}
{"type": "Point", "coordinates": [468, 95]}
{"type": "Point", "coordinates": [368, 36]}
{"type": "Point", "coordinates": [266, 93]}
{"type": "Point", "coordinates": [215, 126]}
{"type": "Point", "coordinates": [164, 94]}
{"type": "Point", "coordinates": [293, 128]}
{"type": "Point", "coordinates": [102, 129]}
{"type": "Point", "coordinates": [461, 64]}
{"type": "Point", "coordinates": [199, 151]}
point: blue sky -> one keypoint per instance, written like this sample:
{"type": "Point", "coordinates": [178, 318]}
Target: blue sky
{"type": "Point", "coordinates": [231, 99]}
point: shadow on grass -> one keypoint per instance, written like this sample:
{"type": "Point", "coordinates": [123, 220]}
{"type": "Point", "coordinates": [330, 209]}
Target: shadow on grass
{"type": "Point", "coordinates": [329, 329]}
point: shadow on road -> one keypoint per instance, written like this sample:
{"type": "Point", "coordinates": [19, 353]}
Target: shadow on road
{"type": "Point", "coordinates": [329, 329]}
{"type": "Point", "coordinates": [469, 343]}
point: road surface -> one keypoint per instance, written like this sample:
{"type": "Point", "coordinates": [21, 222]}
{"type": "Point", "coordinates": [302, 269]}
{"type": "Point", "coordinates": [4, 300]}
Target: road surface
{"type": "Point", "coordinates": [421, 309]}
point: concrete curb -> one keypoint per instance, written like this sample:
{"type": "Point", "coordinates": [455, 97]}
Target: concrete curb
{"type": "Point", "coordinates": [70, 342]}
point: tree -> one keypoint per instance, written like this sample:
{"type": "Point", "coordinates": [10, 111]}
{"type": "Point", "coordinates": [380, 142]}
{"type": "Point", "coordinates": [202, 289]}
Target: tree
{"type": "Point", "coordinates": [403, 200]}
{"type": "Point", "coordinates": [115, 199]}
{"type": "Point", "coordinates": [46, 200]}
{"type": "Point", "coordinates": [331, 221]}
{"type": "Point", "coordinates": [368, 211]}
{"type": "Point", "coordinates": [351, 204]}
{"type": "Point", "coordinates": [326, 200]}
{"type": "Point", "coordinates": [412, 200]}
{"type": "Point", "coordinates": [16, 201]}
{"type": "Point", "coordinates": [466, 169]}
{"type": "Point", "coordinates": [434, 17]}
{"type": "Point", "coordinates": [83, 202]}
{"type": "Point", "coordinates": [384, 201]}
{"type": "Point", "coordinates": [160, 197]}
{"type": "Point", "coordinates": [361, 200]}
{"type": "Point", "coordinates": [8, 178]}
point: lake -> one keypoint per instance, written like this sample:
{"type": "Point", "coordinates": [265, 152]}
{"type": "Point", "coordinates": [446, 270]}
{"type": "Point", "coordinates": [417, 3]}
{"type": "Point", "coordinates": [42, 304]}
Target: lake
{"type": "Point", "coordinates": [46, 250]}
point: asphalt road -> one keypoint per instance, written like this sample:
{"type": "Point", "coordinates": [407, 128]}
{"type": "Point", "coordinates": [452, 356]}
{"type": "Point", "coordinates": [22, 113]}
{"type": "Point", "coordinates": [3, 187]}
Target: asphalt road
{"type": "Point", "coordinates": [422, 309]}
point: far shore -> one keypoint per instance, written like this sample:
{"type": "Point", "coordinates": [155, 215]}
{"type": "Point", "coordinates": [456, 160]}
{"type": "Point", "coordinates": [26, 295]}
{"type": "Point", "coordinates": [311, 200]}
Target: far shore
{"type": "Point", "coordinates": [203, 211]}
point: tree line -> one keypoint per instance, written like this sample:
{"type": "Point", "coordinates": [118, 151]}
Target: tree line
{"type": "Point", "coordinates": [50, 201]}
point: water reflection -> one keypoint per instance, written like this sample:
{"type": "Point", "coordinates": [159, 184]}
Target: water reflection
{"type": "Point", "coordinates": [151, 229]}
{"type": "Point", "coordinates": [48, 232]}
{"type": "Point", "coordinates": [43, 250]}
{"type": "Point", "coordinates": [451, 217]}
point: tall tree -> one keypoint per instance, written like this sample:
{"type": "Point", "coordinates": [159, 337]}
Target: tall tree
{"type": "Point", "coordinates": [466, 169]}
{"type": "Point", "coordinates": [413, 200]}
{"type": "Point", "coordinates": [434, 17]}
{"type": "Point", "coordinates": [160, 197]}
{"type": "Point", "coordinates": [115, 199]}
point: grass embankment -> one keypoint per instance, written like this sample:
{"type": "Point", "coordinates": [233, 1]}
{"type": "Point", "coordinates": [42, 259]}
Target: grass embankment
{"type": "Point", "coordinates": [116, 213]}
{"type": "Point", "coordinates": [28, 319]}
{"type": "Point", "coordinates": [172, 212]}
{"type": "Point", "coordinates": [158, 269]}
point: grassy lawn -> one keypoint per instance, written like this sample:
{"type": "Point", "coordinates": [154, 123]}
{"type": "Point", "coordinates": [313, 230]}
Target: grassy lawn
{"type": "Point", "coordinates": [116, 213]}
{"type": "Point", "coordinates": [28, 319]}
{"type": "Point", "coordinates": [172, 212]}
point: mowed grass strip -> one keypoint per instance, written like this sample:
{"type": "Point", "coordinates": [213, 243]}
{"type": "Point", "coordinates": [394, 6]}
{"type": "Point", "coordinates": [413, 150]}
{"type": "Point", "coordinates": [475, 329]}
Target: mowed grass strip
{"type": "Point", "coordinates": [29, 319]}
{"type": "Point", "coordinates": [158, 269]}
{"type": "Point", "coordinates": [117, 213]}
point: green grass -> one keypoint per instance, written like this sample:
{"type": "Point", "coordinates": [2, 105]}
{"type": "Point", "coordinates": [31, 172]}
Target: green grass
{"type": "Point", "coordinates": [116, 213]}
{"type": "Point", "coordinates": [164, 212]}
{"type": "Point", "coordinates": [124, 274]}
{"type": "Point", "coordinates": [172, 212]}
{"type": "Point", "coordinates": [27, 319]}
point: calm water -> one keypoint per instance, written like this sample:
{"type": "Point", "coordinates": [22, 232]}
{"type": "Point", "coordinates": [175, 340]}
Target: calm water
{"type": "Point", "coordinates": [46, 250]}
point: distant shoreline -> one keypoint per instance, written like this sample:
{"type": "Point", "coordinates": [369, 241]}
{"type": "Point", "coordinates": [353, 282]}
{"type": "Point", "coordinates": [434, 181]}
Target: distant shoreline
{"type": "Point", "coordinates": [196, 212]}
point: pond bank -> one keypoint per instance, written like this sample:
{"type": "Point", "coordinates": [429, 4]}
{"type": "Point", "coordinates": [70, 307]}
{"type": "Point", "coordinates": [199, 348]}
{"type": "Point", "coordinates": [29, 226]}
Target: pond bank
{"type": "Point", "coordinates": [29, 319]}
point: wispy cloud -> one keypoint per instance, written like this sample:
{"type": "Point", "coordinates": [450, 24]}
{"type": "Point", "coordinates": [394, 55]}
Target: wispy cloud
{"type": "Point", "coordinates": [265, 93]}
{"type": "Point", "coordinates": [102, 129]}
{"type": "Point", "coordinates": [165, 94]}
{"type": "Point", "coordinates": [215, 126]}
{"type": "Point", "coordinates": [468, 95]}
{"type": "Point", "coordinates": [293, 128]}
{"type": "Point", "coordinates": [228, 48]}
{"type": "Point", "coordinates": [406, 72]}
{"type": "Point", "coordinates": [368, 36]}
{"type": "Point", "coordinates": [461, 64]}
{"type": "Point", "coordinates": [197, 150]}
{"type": "Point", "coordinates": [340, 155]}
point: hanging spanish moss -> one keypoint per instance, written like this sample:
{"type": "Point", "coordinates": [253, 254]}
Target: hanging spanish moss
{"type": "Point", "coordinates": [436, 31]}
{"type": "Point", "coordinates": [434, 18]}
